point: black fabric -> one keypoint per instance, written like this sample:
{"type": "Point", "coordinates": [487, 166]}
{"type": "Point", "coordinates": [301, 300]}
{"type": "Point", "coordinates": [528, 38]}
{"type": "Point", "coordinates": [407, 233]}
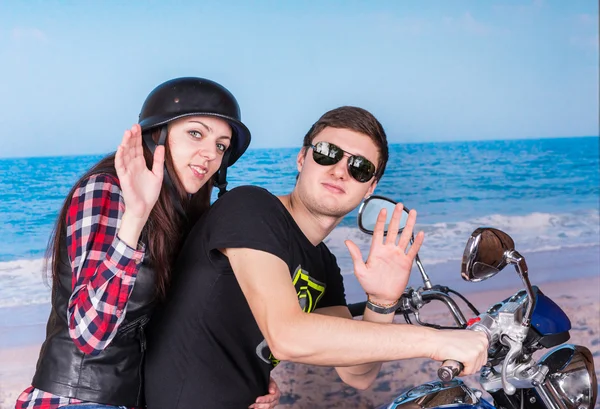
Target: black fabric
{"type": "Point", "coordinates": [114, 376]}
{"type": "Point", "coordinates": [205, 348]}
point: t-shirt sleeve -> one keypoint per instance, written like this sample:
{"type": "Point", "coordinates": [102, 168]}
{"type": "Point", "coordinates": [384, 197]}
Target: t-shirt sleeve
{"type": "Point", "coordinates": [248, 217]}
{"type": "Point", "coordinates": [335, 294]}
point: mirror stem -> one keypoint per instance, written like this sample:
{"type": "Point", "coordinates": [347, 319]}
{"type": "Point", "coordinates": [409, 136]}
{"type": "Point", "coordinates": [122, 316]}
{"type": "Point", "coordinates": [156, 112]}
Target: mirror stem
{"type": "Point", "coordinates": [516, 259]}
{"type": "Point", "coordinates": [426, 282]}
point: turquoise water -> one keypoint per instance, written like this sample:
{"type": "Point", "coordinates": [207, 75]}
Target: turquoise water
{"type": "Point", "coordinates": [543, 192]}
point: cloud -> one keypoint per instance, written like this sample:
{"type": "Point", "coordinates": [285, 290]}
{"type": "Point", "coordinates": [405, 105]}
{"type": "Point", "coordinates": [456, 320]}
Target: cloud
{"type": "Point", "coordinates": [588, 43]}
{"type": "Point", "coordinates": [587, 20]}
{"type": "Point", "coordinates": [520, 9]}
{"type": "Point", "coordinates": [404, 26]}
{"type": "Point", "coordinates": [28, 34]}
{"type": "Point", "coordinates": [585, 32]}
{"type": "Point", "coordinates": [584, 19]}
{"type": "Point", "coordinates": [469, 24]}
{"type": "Point", "coordinates": [415, 26]}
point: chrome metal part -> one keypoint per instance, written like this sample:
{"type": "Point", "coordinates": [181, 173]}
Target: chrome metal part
{"type": "Point", "coordinates": [436, 394]}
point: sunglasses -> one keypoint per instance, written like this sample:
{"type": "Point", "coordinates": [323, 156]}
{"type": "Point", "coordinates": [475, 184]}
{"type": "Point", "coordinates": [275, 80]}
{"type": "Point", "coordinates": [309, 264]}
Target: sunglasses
{"type": "Point", "coordinates": [327, 154]}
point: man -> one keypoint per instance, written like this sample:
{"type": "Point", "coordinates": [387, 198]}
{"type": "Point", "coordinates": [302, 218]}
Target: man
{"type": "Point", "coordinates": [255, 284]}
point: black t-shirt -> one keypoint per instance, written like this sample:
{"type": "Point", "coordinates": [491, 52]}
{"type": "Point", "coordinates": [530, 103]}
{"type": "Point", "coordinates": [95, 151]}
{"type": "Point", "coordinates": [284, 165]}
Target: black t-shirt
{"type": "Point", "coordinates": [205, 348]}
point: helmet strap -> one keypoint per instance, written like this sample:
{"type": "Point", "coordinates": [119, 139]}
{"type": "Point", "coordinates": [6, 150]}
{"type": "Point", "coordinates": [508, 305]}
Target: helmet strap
{"type": "Point", "coordinates": [221, 180]}
{"type": "Point", "coordinates": [163, 135]}
{"type": "Point", "coordinates": [147, 138]}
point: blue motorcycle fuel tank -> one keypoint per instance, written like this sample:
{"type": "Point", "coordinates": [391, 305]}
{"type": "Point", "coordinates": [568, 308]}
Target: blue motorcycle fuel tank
{"type": "Point", "coordinates": [437, 394]}
{"type": "Point", "coordinates": [552, 327]}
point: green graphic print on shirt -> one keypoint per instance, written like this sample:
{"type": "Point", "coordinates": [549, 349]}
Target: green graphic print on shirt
{"type": "Point", "coordinates": [309, 293]}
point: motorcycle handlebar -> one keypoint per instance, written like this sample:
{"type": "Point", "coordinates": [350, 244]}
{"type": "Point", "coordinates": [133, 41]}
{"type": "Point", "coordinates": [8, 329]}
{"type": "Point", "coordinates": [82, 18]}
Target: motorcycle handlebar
{"type": "Point", "coordinates": [429, 295]}
{"type": "Point", "coordinates": [423, 296]}
{"type": "Point", "coordinates": [449, 370]}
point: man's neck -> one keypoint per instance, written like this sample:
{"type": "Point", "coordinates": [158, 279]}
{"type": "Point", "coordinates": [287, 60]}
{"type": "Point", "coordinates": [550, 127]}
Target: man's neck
{"type": "Point", "coordinates": [314, 226]}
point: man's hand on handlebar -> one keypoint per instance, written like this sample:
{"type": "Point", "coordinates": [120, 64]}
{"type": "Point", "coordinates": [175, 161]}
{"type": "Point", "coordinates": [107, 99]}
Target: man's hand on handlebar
{"type": "Point", "coordinates": [468, 347]}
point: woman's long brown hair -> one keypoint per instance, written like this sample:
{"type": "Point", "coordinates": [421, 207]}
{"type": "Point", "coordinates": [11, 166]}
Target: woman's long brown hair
{"type": "Point", "coordinates": [165, 229]}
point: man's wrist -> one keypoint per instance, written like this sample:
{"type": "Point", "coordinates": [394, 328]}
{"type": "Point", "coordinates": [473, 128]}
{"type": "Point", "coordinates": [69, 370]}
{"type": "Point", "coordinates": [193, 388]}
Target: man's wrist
{"type": "Point", "coordinates": [381, 301]}
{"type": "Point", "coordinates": [382, 307]}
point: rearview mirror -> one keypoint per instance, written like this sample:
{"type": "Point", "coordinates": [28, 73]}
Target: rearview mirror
{"type": "Point", "coordinates": [485, 254]}
{"type": "Point", "coordinates": [369, 210]}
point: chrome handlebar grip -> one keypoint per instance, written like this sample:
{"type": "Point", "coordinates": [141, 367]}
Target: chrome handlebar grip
{"type": "Point", "coordinates": [449, 370]}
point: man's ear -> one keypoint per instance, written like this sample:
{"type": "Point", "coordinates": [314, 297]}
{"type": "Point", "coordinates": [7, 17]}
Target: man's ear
{"type": "Point", "coordinates": [371, 189]}
{"type": "Point", "coordinates": [301, 158]}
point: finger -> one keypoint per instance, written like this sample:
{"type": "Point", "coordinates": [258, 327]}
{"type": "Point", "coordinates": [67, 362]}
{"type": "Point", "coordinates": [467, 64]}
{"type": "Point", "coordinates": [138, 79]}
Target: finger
{"type": "Point", "coordinates": [394, 225]}
{"type": "Point", "coordinates": [136, 140]}
{"type": "Point", "coordinates": [408, 230]}
{"type": "Point", "coordinates": [414, 248]}
{"type": "Point", "coordinates": [126, 136]}
{"type": "Point", "coordinates": [130, 139]}
{"type": "Point", "coordinates": [379, 229]}
{"type": "Point", "coordinates": [264, 404]}
{"type": "Point", "coordinates": [484, 352]}
{"type": "Point", "coordinates": [265, 399]}
{"type": "Point", "coordinates": [271, 397]}
{"type": "Point", "coordinates": [128, 152]}
{"type": "Point", "coordinates": [273, 388]}
{"type": "Point", "coordinates": [119, 163]}
{"type": "Point", "coordinates": [123, 143]}
{"type": "Point", "coordinates": [158, 164]}
{"type": "Point", "coordinates": [355, 254]}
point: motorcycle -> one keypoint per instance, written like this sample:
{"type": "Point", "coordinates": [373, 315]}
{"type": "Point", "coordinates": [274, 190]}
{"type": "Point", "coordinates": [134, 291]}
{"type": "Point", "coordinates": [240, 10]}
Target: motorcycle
{"type": "Point", "coordinates": [516, 327]}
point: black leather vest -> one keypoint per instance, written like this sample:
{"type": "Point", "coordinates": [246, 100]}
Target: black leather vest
{"type": "Point", "coordinates": [114, 376]}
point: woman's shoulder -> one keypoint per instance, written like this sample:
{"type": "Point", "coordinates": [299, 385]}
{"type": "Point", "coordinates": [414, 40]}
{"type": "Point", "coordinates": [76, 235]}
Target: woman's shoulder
{"type": "Point", "coordinates": [95, 186]}
{"type": "Point", "coordinates": [100, 181]}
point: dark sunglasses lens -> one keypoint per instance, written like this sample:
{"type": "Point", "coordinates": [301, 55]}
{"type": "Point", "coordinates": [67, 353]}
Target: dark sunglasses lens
{"type": "Point", "coordinates": [327, 154]}
{"type": "Point", "coordinates": [361, 168]}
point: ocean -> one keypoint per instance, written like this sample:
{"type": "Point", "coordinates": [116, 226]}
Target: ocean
{"type": "Point", "coordinates": [543, 192]}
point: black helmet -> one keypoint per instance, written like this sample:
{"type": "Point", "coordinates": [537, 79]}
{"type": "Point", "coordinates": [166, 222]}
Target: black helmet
{"type": "Point", "coordinates": [189, 96]}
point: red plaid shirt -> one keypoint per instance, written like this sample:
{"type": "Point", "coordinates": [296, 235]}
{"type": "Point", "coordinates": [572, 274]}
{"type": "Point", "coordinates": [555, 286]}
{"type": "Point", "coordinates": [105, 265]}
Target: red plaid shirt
{"type": "Point", "coordinates": [104, 270]}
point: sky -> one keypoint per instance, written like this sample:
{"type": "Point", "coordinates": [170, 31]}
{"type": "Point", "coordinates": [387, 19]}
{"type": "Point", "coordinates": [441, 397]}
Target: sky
{"type": "Point", "coordinates": [74, 74]}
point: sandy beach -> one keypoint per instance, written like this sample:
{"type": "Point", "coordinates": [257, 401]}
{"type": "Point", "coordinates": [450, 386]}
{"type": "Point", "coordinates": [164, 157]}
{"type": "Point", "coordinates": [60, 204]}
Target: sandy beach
{"type": "Point", "coordinates": [305, 386]}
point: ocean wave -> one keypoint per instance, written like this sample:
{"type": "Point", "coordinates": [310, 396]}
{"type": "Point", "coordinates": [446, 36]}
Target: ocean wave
{"type": "Point", "coordinates": [444, 242]}
{"type": "Point", "coordinates": [24, 282]}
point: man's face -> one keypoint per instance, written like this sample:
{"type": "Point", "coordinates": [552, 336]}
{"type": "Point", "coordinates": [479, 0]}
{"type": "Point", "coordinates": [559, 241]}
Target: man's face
{"type": "Point", "coordinates": [331, 190]}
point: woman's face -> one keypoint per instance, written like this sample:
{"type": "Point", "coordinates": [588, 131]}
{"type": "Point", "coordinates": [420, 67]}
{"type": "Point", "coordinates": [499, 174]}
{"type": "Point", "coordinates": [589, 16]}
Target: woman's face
{"type": "Point", "coordinates": [197, 145]}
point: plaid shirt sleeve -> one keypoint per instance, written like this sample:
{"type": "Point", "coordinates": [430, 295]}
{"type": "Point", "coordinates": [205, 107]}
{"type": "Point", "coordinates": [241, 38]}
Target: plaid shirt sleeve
{"type": "Point", "coordinates": [104, 267]}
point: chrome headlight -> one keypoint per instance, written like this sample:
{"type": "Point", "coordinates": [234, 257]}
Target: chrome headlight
{"type": "Point", "coordinates": [571, 380]}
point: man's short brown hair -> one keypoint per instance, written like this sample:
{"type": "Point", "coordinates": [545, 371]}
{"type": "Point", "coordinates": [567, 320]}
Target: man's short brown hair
{"type": "Point", "coordinates": [358, 120]}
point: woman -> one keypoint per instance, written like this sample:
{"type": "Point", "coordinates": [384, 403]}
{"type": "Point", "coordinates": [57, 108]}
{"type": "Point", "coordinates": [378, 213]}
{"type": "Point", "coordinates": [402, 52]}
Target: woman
{"type": "Point", "coordinates": [116, 239]}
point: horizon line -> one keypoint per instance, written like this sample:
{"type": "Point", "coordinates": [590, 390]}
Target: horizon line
{"type": "Point", "coordinates": [299, 146]}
